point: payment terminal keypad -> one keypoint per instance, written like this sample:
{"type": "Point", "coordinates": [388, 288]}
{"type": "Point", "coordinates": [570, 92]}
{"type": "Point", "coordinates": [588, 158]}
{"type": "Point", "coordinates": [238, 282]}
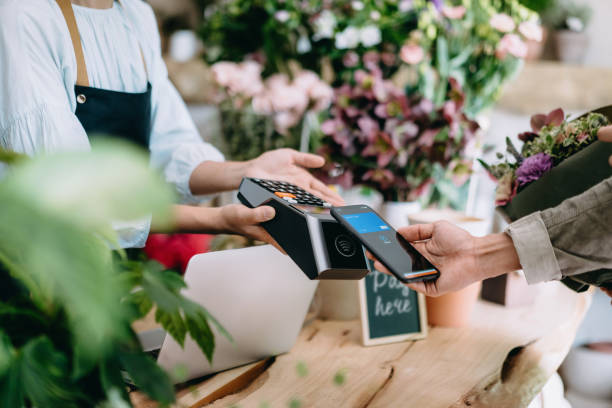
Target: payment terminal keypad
{"type": "Point", "coordinates": [291, 193]}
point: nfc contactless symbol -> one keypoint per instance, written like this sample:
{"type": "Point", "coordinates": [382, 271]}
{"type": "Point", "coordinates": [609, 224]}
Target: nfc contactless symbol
{"type": "Point", "coordinates": [345, 246]}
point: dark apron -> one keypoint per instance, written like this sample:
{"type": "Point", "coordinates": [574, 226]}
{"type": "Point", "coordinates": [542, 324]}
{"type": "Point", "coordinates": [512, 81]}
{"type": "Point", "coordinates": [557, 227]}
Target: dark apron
{"type": "Point", "coordinates": [104, 112]}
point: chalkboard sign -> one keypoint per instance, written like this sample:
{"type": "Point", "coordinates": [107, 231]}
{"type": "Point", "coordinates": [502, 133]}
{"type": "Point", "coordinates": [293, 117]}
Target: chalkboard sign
{"type": "Point", "coordinates": [390, 311]}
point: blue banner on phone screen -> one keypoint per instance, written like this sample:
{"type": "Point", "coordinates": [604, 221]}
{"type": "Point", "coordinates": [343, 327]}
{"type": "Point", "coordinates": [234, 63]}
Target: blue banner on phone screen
{"type": "Point", "coordinates": [365, 223]}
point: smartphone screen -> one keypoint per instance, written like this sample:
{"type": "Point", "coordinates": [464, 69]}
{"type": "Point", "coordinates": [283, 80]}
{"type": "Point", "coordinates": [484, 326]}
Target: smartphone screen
{"type": "Point", "coordinates": [391, 249]}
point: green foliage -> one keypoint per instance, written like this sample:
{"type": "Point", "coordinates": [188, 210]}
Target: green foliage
{"type": "Point", "coordinates": [66, 302]}
{"type": "Point", "coordinates": [465, 49]}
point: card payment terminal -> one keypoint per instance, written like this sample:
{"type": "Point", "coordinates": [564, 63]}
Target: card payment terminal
{"type": "Point", "coordinates": [304, 228]}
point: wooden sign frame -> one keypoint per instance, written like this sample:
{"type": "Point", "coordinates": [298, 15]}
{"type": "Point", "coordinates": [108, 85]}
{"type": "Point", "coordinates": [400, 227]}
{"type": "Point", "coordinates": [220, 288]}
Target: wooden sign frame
{"type": "Point", "coordinates": [365, 326]}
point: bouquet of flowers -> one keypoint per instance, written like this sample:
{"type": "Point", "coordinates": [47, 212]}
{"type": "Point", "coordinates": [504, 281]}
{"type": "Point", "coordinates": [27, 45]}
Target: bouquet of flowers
{"type": "Point", "coordinates": [380, 137]}
{"type": "Point", "coordinates": [259, 115]}
{"type": "Point", "coordinates": [551, 140]}
{"type": "Point", "coordinates": [559, 159]}
{"type": "Point", "coordinates": [479, 43]}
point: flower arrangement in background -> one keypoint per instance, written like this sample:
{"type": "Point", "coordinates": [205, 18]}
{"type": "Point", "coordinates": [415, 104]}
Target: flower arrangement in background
{"type": "Point", "coordinates": [380, 137]}
{"type": "Point", "coordinates": [260, 115]}
{"type": "Point", "coordinates": [479, 43]}
{"type": "Point", "coordinates": [323, 36]}
{"type": "Point", "coordinates": [552, 139]}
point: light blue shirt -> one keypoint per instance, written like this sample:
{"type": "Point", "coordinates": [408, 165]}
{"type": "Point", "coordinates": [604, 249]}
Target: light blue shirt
{"type": "Point", "coordinates": [38, 74]}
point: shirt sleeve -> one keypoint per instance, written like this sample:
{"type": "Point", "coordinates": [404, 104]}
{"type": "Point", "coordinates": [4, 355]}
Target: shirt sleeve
{"type": "Point", "coordinates": [176, 146]}
{"type": "Point", "coordinates": [570, 239]}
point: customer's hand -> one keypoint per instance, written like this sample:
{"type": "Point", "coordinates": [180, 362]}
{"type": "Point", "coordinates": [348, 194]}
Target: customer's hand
{"type": "Point", "coordinates": [605, 135]}
{"type": "Point", "coordinates": [290, 166]}
{"type": "Point", "coordinates": [461, 258]}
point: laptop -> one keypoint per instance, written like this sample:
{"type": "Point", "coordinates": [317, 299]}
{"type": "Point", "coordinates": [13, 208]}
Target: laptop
{"type": "Point", "coordinates": [259, 295]}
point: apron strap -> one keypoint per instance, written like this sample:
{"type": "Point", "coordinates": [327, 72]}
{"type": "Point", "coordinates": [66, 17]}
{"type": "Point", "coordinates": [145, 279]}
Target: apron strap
{"type": "Point", "coordinates": [66, 7]}
{"type": "Point", "coordinates": [82, 77]}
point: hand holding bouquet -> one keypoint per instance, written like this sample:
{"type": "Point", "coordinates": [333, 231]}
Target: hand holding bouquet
{"type": "Point", "coordinates": [551, 140]}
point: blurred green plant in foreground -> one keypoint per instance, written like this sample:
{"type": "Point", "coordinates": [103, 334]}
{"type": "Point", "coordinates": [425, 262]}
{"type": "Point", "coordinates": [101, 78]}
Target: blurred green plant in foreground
{"type": "Point", "coordinates": [67, 300]}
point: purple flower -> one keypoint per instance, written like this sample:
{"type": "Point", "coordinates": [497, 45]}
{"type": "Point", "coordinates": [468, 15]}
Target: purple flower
{"type": "Point", "coordinates": [533, 167]}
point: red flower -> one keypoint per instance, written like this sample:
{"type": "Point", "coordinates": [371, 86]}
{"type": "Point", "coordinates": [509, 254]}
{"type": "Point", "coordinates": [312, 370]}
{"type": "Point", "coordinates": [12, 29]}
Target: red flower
{"type": "Point", "coordinates": [175, 250]}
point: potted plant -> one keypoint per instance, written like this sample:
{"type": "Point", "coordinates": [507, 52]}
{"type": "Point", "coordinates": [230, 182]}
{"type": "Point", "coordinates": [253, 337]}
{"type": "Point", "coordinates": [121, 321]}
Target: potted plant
{"type": "Point", "coordinates": [569, 20]}
{"type": "Point", "coordinates": [66, 300]}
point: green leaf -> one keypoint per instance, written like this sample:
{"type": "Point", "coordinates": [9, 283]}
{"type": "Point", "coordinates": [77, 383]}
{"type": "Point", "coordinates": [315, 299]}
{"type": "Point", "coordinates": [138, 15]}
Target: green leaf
{"type": "Point", "coordinates": [442, 57]}
{"type": "Point", "coordinates": [91, 188]}
{"type": "Point", "coordinates": [111, 377]}
{"type": "Point", "coordinates": [173, 323]}
{"type": "Point", "coordinates": [148, 376]}
{"type": "Point", "coordinates": [200, 332]}
{"type": "Point", "coordinates": [141, 302]}
{"type": "Point", "coordinates": [10, 157]}
{"type": "Point", "coordinates": [45, 376]}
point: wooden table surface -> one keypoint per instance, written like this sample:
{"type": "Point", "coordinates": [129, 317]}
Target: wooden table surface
{"type": "Point", "coordinates": [503, 359]}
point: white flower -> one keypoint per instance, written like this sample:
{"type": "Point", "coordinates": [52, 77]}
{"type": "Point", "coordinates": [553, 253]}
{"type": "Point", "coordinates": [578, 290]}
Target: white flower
{"type": "Point", "coordinates": [370, 36]}
{"type": "Point", "coordinates": [405, 6]}
{"type": "Point", "coordinates": [349, 38]}
{"type": "Point", "coordinates": [357, 5]}
{"type": "Point", "coordinates": [375, 15]}
{"type": "Point", "coordinates": [531, 31]}
{"type": "Point", "coordinates": [324, 25]}
{"type": "Point", "coordinates": [574, 24]}
{"type": "Point", "coordinates": [282, 16]}
{"type": "Point", "coordinates": [303, 45]}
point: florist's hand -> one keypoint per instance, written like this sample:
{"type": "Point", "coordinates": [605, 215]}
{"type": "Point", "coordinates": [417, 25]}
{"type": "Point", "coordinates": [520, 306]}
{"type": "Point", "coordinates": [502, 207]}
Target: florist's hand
{"type": "Point", "coordinates": [450, 249]}
{"type": "Point", "coordinates": [290, 166]}
{"type": "Point", "coordinates": [605, 135]}
{"type": "Point", "coordinates": [239, 219]}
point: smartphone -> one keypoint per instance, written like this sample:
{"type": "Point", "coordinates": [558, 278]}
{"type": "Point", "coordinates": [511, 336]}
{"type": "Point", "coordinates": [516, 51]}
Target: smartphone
{"type": "Point", "coordinates": [390, 248]}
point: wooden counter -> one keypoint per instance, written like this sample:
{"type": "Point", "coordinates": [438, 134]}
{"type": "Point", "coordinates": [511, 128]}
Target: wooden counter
{"type": "Point", "coordinates": [502, 360]}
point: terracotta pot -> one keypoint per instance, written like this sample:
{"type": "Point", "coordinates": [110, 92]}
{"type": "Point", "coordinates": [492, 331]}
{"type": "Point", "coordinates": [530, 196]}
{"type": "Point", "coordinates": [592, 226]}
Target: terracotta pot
{"type": "Point", "coordinates": [453, 309]}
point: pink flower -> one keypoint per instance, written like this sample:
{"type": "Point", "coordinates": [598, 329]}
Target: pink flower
{"type": "Point", "coordinates": [388, 58]}
{"type": "Point", "coordinates": [502, 22]}
{"type": "Point", "coordinates": [511, 44]}
{"type": "Point", "coordinates": [412, 54]}
{"type": "Point", "coordinates": [383, 177]}
{"type": "Point", "coordinates": [322, 95]}
{"type": "Point", "coordinates": [368, 126]}
{"type": "Point", "coordinates": [531, 31]}
{"type": "Point", "coordinates": [284, 121]}
{"type": "Point", "coordinates": [454, 13]}
{"type": "Point", "coordinates": [506, 189]}
{"type": "Point", "coordinates": [350, 59]}
{"type": "Point", "coordinates": [262, 105]}
{"type": "Point", "coordinates": [371, 59]}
